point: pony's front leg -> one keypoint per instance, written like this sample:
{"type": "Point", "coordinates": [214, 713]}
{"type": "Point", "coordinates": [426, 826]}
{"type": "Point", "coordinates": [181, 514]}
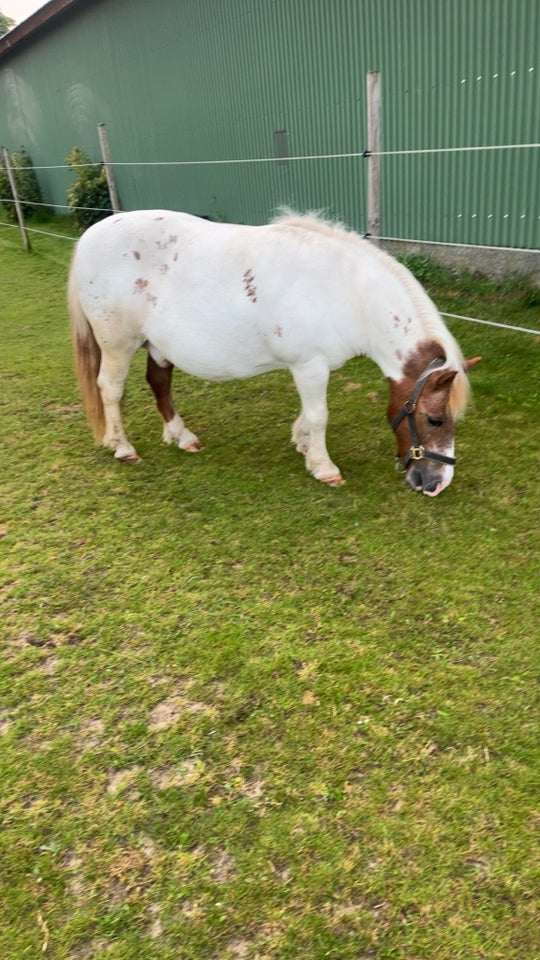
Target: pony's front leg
{"type": "Point", "coordinates": [300, 434]}
{"type": "Point", "coordinates": [111, 378]}
{"type": "Point", "coordinates": [309, 431]}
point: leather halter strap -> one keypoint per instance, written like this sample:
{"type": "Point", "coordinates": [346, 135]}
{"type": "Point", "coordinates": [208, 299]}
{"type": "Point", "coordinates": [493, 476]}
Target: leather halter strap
{"type": "Point", "coordinates": [417, 451]}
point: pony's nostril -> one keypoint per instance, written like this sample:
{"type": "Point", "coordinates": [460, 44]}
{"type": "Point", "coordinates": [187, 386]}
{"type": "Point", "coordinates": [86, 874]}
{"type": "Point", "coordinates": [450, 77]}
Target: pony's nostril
{"type": "Point", "coordinates": [415, 479]}
{"type": "Point", "coordinates": [432, 485]}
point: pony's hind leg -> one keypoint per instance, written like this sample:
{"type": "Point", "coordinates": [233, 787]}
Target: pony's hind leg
{"type": "Point", "coordinates": [159, 376]}
{"type": "Point", "coordinates": [113, 371]}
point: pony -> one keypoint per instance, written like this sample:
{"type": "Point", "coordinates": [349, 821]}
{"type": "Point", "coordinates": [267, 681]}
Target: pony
{"type": "Point", "coordinates": [223, 301]}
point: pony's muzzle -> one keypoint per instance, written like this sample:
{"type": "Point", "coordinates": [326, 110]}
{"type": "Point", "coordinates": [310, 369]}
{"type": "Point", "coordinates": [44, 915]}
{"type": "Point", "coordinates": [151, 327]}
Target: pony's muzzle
{"type": "Point", "coordinates": [425, 482]}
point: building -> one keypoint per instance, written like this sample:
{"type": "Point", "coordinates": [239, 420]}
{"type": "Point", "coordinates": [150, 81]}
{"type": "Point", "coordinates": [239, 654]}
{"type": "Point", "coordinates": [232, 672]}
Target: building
{"type": "Point", "coordinates": [184, 85]}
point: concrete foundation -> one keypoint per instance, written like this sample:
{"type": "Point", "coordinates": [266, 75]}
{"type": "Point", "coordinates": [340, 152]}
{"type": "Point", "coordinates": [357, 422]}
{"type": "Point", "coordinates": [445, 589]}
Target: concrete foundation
{"type": "Point", "coordinates": [492, 262]}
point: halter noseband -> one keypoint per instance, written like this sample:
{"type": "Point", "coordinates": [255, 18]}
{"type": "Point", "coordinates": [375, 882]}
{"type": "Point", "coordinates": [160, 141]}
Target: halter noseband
{"type": "Point", "coordinates": [417, 451]}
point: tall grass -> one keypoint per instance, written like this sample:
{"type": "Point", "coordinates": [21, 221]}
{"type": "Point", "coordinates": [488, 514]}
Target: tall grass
{"type": "Point", "coordinates": [246, 716]}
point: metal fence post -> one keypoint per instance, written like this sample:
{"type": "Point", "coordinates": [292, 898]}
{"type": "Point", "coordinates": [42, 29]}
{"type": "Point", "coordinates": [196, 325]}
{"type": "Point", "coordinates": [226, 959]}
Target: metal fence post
{"type": "Point", "coordinates": [372, 153]}
{"type": "Point", "coordinates": [18, 207]}
{"type": "Point", "coordinates": [105, 153]}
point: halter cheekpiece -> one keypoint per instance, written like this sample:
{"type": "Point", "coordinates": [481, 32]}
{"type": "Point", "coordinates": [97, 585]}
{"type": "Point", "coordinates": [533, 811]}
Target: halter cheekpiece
{"type": "Point", "coordinates": [417, 451]}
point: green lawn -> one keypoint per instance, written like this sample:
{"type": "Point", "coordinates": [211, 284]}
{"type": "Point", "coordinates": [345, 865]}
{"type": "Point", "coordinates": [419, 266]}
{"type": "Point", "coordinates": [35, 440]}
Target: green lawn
{"type": "Point", "coordinates": [244, 715]}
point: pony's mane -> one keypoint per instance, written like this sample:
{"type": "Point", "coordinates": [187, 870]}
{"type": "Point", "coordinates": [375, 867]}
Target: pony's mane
{"type": "Point", "coordinates": [316, 222]}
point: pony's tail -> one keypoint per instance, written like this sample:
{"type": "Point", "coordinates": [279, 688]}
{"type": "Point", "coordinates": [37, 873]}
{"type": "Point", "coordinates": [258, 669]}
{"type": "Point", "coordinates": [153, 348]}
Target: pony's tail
{"type": "Point", "coordinates": [87, 355]}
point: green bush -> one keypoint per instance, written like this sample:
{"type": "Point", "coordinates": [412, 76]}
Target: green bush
{"type": "Point", "coordinates": [27, 186]}
{"type": "Point", "coordinates": [88, 197]}
{"type": "Point", "coordinates": [427, 271]}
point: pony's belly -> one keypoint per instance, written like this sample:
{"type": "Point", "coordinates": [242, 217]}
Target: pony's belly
{"type": "Point", "coordinates": [205, 369]}
{"type": "Point", "coordinates": [204, 355]}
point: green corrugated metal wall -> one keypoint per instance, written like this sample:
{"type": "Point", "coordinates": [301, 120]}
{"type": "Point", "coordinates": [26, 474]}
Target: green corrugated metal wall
{"type": "Point", "coordinates": [213, 79]}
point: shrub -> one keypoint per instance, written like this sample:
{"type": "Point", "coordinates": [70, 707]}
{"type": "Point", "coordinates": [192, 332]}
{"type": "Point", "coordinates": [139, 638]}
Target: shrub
{"type": "Point", "coordinates": [88, 197]}
{"type": "Point", "coordinates": [28, 189]}
{"type": "Point", "coordinates": [428, 272]}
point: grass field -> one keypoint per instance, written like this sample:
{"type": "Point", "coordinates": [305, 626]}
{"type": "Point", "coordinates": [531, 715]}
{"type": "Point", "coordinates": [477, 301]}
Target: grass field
{"type": "Point", "coordinates": [247, 716]}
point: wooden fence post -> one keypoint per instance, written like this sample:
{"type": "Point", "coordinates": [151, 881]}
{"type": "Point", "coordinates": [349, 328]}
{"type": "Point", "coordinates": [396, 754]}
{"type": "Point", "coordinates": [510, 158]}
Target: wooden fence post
{"type": "Point", "coordinates": [105, 153]}
{"type": "Point", "coordinates": [373, 150]}
{"type": "Point", "coordinates": [18, 207]}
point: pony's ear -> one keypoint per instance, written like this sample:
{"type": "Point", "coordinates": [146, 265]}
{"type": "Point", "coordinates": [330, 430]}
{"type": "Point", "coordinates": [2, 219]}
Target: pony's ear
{"type": "Point", "coordinates": [467, 364]}
{"type": "Point", "coordinates": [443, 379]}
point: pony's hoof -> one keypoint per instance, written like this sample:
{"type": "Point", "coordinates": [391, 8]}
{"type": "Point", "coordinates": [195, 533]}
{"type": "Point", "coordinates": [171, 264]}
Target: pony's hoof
{"type": "Point", "coordinates": [130, 458]}
{"type": "Point", "coordinates": [193, 447]}
{"type": "Point", "coordinates": [335, 481]}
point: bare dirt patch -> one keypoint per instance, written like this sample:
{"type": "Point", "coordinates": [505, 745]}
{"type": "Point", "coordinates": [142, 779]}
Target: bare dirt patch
{"type": "Point", "coordinates": [91, 733]}
{"type": "Point", "coordinates": [184, 775]}
{"type": "Point", "coordinates": [223, 867]}
{"type": "Point", "coordinates": [121, 780]}
{"type": "Point", "coordinates": [168, 712]}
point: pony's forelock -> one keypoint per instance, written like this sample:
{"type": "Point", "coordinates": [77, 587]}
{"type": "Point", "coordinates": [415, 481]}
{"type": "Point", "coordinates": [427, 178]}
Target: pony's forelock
{"type": "Point", "coordinates": [459, 395]}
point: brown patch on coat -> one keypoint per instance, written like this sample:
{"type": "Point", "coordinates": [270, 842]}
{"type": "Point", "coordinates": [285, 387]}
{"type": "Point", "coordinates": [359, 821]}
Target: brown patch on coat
{"type": "Point", "coordinates": [405, 324]}
{"type": "Point", "coordinates": [170, 241]}
{"type": "Point", "coordinates": [136, 254]}
{"type": "Point", "coordinates": [249, 286]}
{"type": "Point", "coordinates": [140, 285]}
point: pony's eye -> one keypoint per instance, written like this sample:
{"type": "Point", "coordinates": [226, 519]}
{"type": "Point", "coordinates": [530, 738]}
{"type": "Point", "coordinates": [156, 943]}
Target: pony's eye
{"type": "Point", "coordinates": [433, 422]}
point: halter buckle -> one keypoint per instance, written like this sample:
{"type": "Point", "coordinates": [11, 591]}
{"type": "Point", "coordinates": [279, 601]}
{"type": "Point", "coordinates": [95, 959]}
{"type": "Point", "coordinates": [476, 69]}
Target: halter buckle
{"type": "Point", "coordinates": [417, 453]}
{"type": "Point", "coordinates": [409, 406]}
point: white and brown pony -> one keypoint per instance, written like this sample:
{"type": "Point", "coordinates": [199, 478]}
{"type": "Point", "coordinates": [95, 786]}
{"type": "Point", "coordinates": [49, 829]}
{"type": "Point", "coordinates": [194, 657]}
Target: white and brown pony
{"type": "Point", "coordinates": [222, 301]}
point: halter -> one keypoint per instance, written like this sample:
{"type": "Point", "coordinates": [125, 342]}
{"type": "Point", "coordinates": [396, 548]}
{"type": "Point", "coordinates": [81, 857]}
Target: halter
{"type": "Point", "coordinates": [417, 451]}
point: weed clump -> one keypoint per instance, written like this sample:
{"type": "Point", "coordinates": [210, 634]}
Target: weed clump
{"type": "Point", "coordinates": [28, 190]}
{"type": "Point", "coordinates": [88, 197]}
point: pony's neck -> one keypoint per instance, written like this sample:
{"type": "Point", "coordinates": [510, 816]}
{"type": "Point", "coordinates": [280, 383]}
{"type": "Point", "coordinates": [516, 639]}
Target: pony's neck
{"type": "Point", "coordinates": [401, 321]}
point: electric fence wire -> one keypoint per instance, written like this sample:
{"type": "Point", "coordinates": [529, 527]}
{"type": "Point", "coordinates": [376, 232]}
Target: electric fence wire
{"type": "Point", "coordinates": [326, 156]}
{"type": "Point", "coordinates": [314, 156]}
